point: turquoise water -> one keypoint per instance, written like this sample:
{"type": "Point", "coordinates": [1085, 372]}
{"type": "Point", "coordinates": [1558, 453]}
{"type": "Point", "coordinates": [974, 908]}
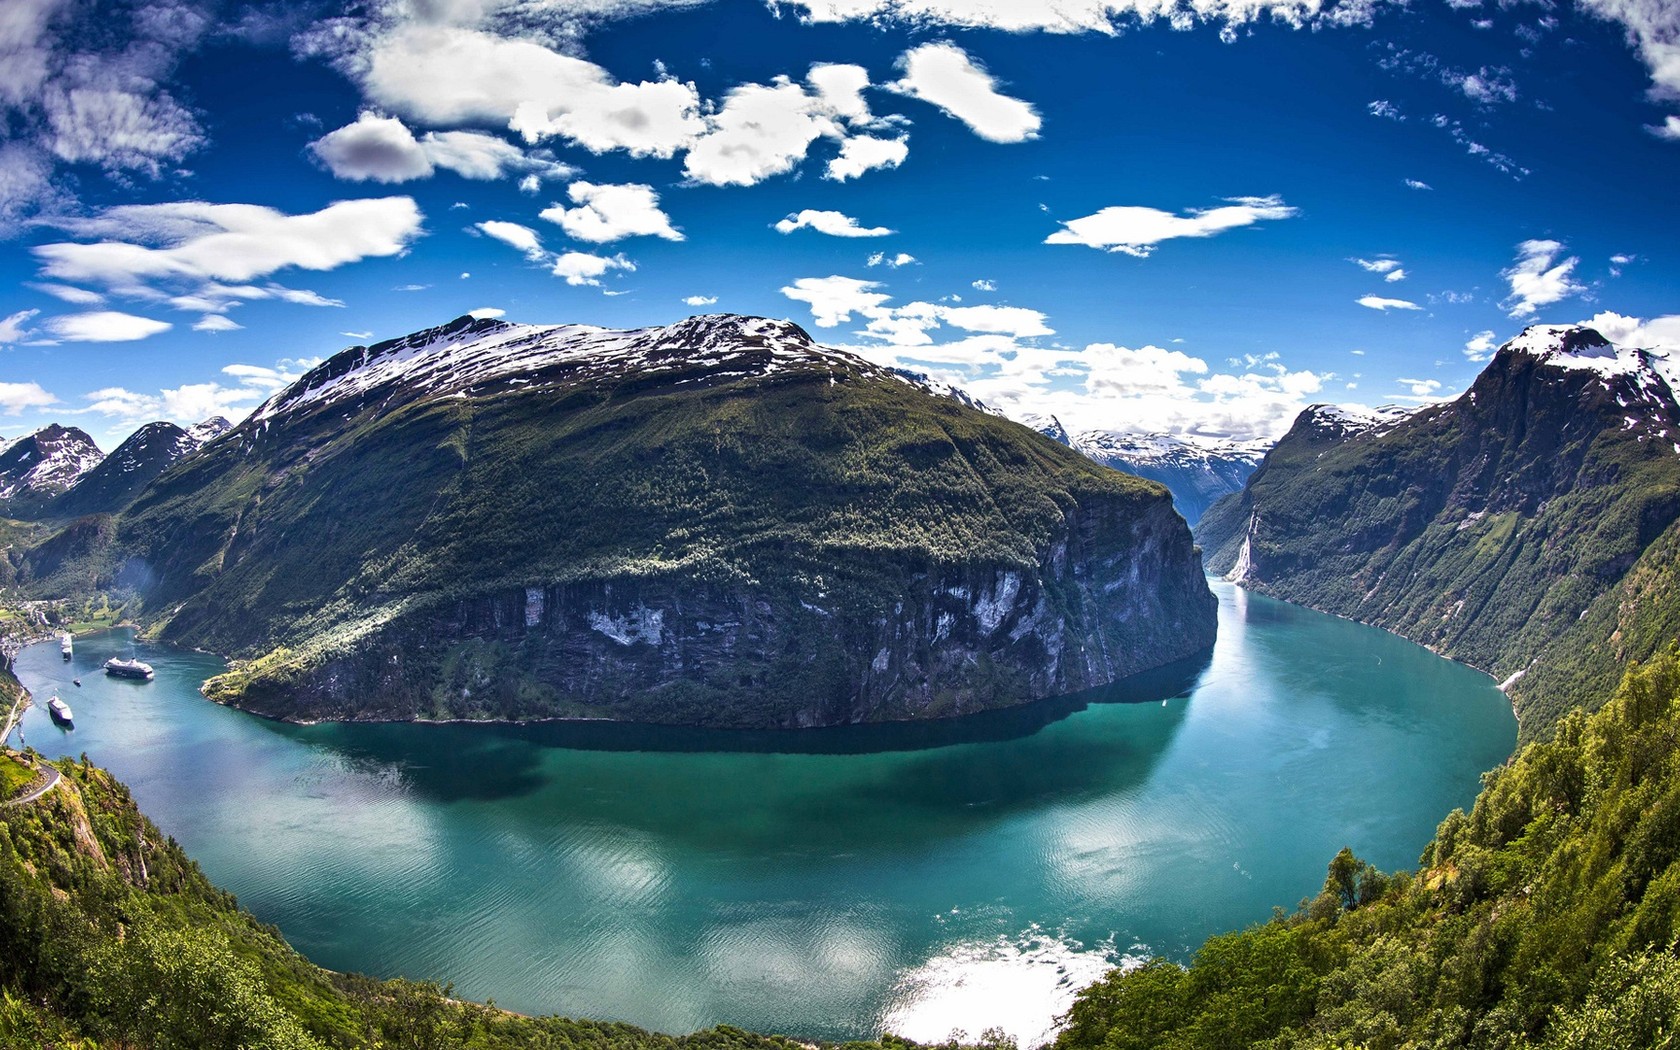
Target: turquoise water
{"type": "Point", "coordinates": [823, 884]}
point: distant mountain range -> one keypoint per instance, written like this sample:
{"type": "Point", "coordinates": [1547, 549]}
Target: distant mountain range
{"type": "Point", "coordinates": [59, 472]}
{"type": "Point", "coordinates": [1529, 527]}
{"type": "Point", "coordinates": [715, 522]}
{"type": "Point", "coordinates": [1196, 470]}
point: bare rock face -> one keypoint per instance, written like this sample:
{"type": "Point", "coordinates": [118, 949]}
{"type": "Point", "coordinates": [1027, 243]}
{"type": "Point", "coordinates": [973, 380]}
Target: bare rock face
{"type": "Point", "coordinates": [1114, 596]}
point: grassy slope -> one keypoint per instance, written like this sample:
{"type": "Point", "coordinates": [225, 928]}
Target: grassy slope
{"type": "Point", "coordinates": [1545, 917]}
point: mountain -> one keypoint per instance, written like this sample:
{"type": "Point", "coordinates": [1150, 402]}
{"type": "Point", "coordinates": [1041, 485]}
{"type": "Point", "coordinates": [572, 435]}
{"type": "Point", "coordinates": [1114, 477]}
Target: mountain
{"type": "Point", "coordinates": [1196, 470]}
{"type": "Point", "coordinates": [39, 466]}
{"type": "Point", "coordinates": [1528, 527]}
{"type": "Point", "coordinates": [131, 466]}
{"type": "Point", "coordinates": [716, 522]}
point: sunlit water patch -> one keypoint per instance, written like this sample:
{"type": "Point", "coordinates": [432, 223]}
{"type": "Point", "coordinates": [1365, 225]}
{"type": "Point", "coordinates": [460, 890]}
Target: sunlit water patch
{"type": "Point", "coordinates": [823, 884]}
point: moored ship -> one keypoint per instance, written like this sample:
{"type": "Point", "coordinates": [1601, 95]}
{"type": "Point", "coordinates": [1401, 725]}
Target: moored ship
{"type": "Point", "coordinates": [128, 669]}
{"type": "Point", "coordinates": [60, 711]}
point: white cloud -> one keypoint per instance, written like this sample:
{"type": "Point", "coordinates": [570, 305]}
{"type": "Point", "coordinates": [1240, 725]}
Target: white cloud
{"type": "Point", "coordinates": [943, 74]}
{"type": "Point", "coordinates": [862, 153]}
{"type": "Point", "coordinates": [701, 300]}
{"type": "Point", "coordinates": [1382, 107]}
{"type": "Point", "coordinates": [12, 328]}
{"type": "Point", "coordinates": [383, 149]}
{"type": "Point", "coordinates": [581, 268]}
{"type": "Point", "coordinates": [357, 335]}
{"type": "Point", "coordinates": [1419, 390]}
{"type": "Point", "coordinates": [230, 242]}
{"type": "Point", "coordinates": [1537, 278]}
{"type": "Point", "coordinates": [1086, 16]}
{"type": "Point", "coordinates": [79, 296]}
{"type": "Point", "coordinates": [891, 262]}
{"type": "Point", "coordinates": [1396, 274]}
{"type": "Point", "coordinates": [104, 326]}
{"type": "Point", "coordinates": [1138, 230]}
{"type": "Point", "coordinates": [609, 213]}
{"type": "Point", "coordinates": [192, 402]}
{"type": "Point", "coordinates": [451, 75]}
{"type": "Point", "coordinates": [1669, 129]}
{"type": "Point", "coordinates": [1480, 347]}
{"type": "Point", "coordinates": [983, 285]}
{"type": "Point", "coordinates": [1653, 31]}
{"type": "Point", "coordinates": [15, 398]}
{"type": "Point", "coordinates": [1377, 302]}
{"type": "Point", "coordinates": [1658, 333]}
{"type": "Point", "coordinates": [762, 130]}
{"type": "Point", "coordinates": [522, 237]}
{"type": "Point", "coordinates": [1377, 265]}
{"type": "Point", "coordinates": [217, 323]}
{"type": "Point", "coordinates": [835, 299]}
{"type": "Point", "coordinates": [487, 312]}
{"type": "Point", "coordinates": [833, 223]}
{"type": "Point", "coordinates": [1414, 184]}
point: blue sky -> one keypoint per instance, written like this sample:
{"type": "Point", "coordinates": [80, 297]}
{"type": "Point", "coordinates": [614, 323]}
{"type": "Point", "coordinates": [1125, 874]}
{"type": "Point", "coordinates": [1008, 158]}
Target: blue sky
{"type": "Point", "coordinates": [1197, 218]}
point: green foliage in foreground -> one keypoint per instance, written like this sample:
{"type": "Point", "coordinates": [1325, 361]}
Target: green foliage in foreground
{"type": "Point", "coordinates": [111, 937]}
{"type": "Point", "coordinates": [1546, 917]}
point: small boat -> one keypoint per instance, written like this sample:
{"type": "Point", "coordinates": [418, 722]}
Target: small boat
{"type": "Point", "coordinates": [78, 682]}
{"type": "Point", "coordinates": [67, 646]}
{"type": "Point", "coordinates": [128, 669]}
{"type": "Point", "coordinates": [60, 712]}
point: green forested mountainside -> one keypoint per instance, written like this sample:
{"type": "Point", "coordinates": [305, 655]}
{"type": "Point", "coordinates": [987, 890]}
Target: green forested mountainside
{"type": "Point", "coordinates": [1527, 526]}
{"type": "Point", "coordinates": [733, 527]}
{"type": "Point", "coordinates": [1546, 917]}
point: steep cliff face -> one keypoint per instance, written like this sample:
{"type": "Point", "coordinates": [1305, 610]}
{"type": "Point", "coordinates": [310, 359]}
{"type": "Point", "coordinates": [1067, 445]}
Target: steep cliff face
{"type": "Point", "coordinates": [717, 522]}
{"type": "Point", "coordinates": [1117, 594]}
{"type": "Point", "coordinates": [37, 467]}
{"type": "Point", "coordinates": [1503, 528]}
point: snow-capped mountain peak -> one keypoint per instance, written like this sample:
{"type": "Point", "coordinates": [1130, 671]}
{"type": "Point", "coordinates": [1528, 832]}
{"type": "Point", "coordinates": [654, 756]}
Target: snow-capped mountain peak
{"type": "Point", "coordinates": [47, 462]}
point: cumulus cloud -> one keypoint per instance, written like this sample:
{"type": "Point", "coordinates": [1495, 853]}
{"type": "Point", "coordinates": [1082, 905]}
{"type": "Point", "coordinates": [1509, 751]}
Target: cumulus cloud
{"type": "Point", "coordinates": [1538, 278]}
{"type": "Point", "coordinates": [862, 153]}
{"type": "Point", "coordinates": [943, 74]}
{"type": "Point", "coordinates": [383, 149]}
{"type": "Point", "coordinates": [835, 299]}
{"type": "Point", "coordinates": [191, 402]}
{"type": "Point", "coordinates": [1669, 129]}
{"type": "Point", "coordinates": [1480, 347]}
{"type": "Point", "coordinates": [605, 213]}
{"type": "Point", "coordinates": [891, 262]}
{"type": "Point", "coordinates": [701, 300]}
{"type": "Point", "coordinates": [1419, 391]}
{"type": "Point", "coordinates": [833, 223]}
{"type": "Point", "coordinates": [1658, 333]}
{"type": "Point", "coordinates": [1377, 302]}
{"type": "Point", "coordinates": [1137, 230]}
{"type": "Point", "coordinates": [16, 398]}
{"type": "Point", "coordinates": [762, 130]}
{"type": "Point", "coordinates": [582, 268]}
{"type": "Point", "coordinates": [451, 75]}
{"type": "Point", "coordinates": [104, 326]}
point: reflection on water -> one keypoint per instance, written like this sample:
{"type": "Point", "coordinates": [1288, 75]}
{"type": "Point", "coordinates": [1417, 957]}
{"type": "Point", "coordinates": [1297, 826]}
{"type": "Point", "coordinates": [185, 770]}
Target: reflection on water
{"type": "Point", "coordinates": [818, 883]}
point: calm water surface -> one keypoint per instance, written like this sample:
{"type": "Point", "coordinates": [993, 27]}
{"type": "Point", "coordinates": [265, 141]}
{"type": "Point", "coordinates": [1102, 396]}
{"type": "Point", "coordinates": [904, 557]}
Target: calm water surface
{"type": "Point", "coordinates": [824, 884]}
